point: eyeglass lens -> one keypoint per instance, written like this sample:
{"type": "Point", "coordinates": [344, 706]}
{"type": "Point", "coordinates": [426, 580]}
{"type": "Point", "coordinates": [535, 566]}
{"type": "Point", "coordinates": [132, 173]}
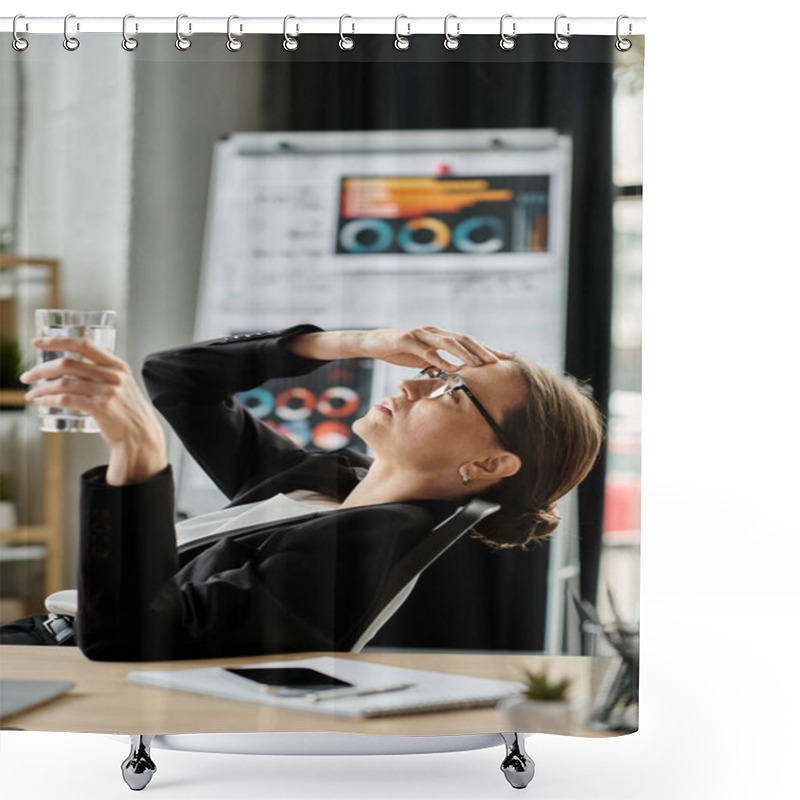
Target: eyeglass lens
{"type": "Point", "coordinates": [448, 381]}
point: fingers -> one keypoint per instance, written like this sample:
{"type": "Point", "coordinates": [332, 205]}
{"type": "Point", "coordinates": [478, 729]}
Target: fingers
{"type": "Point", "coordinates": [451, 345]}
{"type": "Point", "coordinates": [465, 348]}
{"type": "Point", "coordinates": [67, 385]}
{"type": "Point", "coordinates": [488, 355]}
{"type": "Point", "coordinates": [49, 370]}
{"type": "Point", "coordinates": [420, 353]}
{"type": "Point", "coordinates": [76, 402]}
{"type": "Point", "coordinates": [95, 363]}
{"type": "Point", "coordinates": [501, 354]}
{"type": "Point", "coordinates": [81, 346]}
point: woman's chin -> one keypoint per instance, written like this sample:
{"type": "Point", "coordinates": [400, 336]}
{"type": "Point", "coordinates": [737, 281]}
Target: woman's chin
{"type": "Point", "coordinates": [360, 427]}
{"type": "Point", "coordinates": [368, 429]}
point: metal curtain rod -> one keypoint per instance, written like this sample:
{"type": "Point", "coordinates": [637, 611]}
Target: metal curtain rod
{"type": "Point", "coordinates": [404, 25]}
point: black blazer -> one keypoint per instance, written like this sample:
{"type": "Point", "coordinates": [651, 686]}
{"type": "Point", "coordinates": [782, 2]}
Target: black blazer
{"type": "Point", "coordinates": [299, 585]}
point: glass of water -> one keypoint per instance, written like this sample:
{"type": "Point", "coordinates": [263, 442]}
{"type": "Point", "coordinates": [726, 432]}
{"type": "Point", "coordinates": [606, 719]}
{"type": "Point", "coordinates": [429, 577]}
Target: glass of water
{"type": "Point", "coordinates": [100, 327]}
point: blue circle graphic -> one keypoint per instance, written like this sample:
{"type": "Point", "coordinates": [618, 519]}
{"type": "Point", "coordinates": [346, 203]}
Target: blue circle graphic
{"type": "Point", "coordinates": [259, 402]}
{"type": "Point", "coordinates": [462, 235]}
{"type": "Point", "coordinates": [348, 235]}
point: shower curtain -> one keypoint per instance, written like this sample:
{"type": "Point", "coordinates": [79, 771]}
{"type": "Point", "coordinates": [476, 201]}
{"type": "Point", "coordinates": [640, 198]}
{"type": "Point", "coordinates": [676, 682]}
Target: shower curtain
{"type": "Point", "coordinates": [207, 192]}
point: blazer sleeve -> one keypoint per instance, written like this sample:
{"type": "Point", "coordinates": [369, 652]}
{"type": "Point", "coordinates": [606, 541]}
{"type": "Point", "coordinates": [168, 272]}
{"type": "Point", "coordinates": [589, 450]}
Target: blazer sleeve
{"type": "Point", "coordinates": [136, 605]}
{"type": "Point", "coordinates": [127, 552]}
{"type": "Point", "coordinates": [193, 388]}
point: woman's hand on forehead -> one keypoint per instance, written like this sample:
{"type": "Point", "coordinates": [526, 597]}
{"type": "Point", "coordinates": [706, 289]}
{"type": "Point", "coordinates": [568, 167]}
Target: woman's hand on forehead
{"type": "Point", "coordinates": [427, 346]}
{"type": "Point", "coordinates": [420, 347]}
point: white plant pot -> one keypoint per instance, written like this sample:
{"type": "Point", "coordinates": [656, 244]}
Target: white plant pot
{"type": "Point", "coordinates": [554, 716]}
{"type": "Point", "coordinates": [8, 515]}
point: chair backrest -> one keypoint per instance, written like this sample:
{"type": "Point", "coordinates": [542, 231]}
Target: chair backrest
{"type": "Point", "coordinates": [405, 573]}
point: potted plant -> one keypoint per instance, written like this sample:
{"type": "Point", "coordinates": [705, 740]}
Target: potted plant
{"type": "Point", "coordinates": [8, 511]}
{"type": "Point", "coordinates": [11, 366]}
{"type": "Point", "coordinates": [543, 705]}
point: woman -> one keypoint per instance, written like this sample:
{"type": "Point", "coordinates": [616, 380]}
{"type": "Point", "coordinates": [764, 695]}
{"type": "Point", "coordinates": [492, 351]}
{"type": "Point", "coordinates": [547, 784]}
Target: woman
{"type": "Point", "coordinates": [299, 577]}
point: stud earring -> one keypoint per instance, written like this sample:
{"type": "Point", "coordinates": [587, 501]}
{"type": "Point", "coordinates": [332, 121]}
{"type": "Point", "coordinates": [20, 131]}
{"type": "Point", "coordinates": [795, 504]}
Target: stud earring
{"type": "Point", "coordinates": [464, 478]}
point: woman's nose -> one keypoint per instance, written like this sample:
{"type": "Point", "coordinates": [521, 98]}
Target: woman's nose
{"type": "Point", "coordinates": [416, 388]}
{"type": "Point", "coordinates": [406, 387]}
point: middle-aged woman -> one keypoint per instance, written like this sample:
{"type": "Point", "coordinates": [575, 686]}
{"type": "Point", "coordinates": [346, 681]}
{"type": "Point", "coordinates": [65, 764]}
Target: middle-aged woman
{"type": "Point", "coordinates": [297, 558]}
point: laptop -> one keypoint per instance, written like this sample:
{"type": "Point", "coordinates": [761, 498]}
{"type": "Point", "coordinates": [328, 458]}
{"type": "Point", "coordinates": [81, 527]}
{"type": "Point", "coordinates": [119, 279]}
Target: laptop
{"type": "Point", "coordinates": [20, 695]}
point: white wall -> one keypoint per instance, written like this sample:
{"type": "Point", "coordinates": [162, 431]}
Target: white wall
{"type": "Point", "coordinates": [115, 169]}
{"type": "Point", "coordinates": [75, 194]}
{"type": "Point", "coordinates": [8, 117]}
{"type": "Point", "coordinates": [182, 108]}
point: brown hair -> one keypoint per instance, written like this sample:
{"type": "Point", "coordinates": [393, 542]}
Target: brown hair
{"type": "Point", "coordinates": [557, 432]}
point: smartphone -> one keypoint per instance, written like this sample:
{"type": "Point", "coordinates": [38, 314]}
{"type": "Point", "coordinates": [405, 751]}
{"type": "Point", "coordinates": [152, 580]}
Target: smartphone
{"type": "Point", "coordinates": [288, 680]}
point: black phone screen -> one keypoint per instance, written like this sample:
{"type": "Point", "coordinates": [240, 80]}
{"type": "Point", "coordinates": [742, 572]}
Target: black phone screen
{"type": "Point", "coordinates": [290, 677]}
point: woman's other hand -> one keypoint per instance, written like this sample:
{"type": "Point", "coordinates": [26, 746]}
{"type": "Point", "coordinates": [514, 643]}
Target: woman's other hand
{"type": "Point", "coordinates": [102, 385]}
{"type": "Point", "coordinates": [407, 347]}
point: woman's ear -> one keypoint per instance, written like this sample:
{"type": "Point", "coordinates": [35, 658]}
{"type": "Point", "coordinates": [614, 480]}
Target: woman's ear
{"type": "Point", "coordinates": [500, 465]}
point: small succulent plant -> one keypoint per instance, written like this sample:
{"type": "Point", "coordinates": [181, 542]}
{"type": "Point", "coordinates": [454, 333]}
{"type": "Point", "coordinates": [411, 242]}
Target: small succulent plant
{"type": "Point", "coordinates": [540, 687]}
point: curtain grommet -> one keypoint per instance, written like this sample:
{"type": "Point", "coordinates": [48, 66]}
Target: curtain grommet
{"type": "Point", "coordinates": [401, 42]}
{"type": "Point", "coordinates": [71, 43]}
{"type": "Point", "coordinates": [623, 45]}
{"type": "Point", "coordinates": [507, 42]}
{"type": "Point", "coordinates": [18, 43]}
{"type": "Point", "coordinates": [129, 43]}
{"type": "Point", "coordinates": [233, 44]}
{"type": "Point", "coordinates": [346, 42]}
{"type": "Point", "coordinates": [181, 42]}
{"type": "Point", "coordinates": [290, 43]}
{"type": "Point", "coordinates": [451, 42]}
{"type": "Point", "coordinates": [561, 43]}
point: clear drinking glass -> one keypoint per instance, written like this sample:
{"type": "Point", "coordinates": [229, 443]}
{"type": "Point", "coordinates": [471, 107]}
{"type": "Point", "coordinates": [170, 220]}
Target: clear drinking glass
{"type": "Point", "coordinates": [99, 327]}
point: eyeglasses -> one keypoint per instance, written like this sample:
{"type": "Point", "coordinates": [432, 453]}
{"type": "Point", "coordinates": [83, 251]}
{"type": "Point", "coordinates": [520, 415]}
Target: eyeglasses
{"type": "Point", "coordinates": [452, 382]}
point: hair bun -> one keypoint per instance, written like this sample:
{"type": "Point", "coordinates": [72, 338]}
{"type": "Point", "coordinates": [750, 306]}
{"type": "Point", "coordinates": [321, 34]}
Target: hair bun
{"type": "Point", "coordinates": [546, 519]}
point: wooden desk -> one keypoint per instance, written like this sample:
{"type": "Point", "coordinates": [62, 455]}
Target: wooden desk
{"type": "Point", "coordinates": [104, 701]}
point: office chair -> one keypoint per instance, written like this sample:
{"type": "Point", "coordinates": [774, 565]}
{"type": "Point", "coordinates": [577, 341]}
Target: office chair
{"type": "Point", "coordinates": [138, 768]}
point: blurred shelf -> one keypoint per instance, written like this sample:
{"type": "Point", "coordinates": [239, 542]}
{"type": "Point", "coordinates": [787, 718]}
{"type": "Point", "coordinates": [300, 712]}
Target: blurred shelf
{"type": "Point", "coordinates": [22, 552]}
{"type": "Point", "coordinates": [29, 283]}
{"type": "Point", "coordinates": [25, 534]}
{"type": "Point", "coordinates": [12, 398]}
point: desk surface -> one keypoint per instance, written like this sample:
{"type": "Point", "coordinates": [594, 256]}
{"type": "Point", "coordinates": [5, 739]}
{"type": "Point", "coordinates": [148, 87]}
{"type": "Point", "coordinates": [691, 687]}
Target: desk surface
{"type": "Point", "coordinates": [104, 701]}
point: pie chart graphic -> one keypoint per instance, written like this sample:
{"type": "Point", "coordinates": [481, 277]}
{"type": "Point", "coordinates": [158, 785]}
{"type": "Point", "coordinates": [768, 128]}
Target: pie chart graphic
{"type": "Point", "coordinates": [258, 402]}
{"type": "Point", "coordinates": [338, 401]}
{"type": "Point", "coordinates": [480, 235]}
{"type": "Point", "coordinates": [294, 404]}
{"type": "Point", "coordinates": [330, 435]}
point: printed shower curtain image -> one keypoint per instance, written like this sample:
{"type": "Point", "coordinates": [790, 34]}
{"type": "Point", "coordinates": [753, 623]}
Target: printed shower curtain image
{"type": "Point", "coordinates": [360, 398]}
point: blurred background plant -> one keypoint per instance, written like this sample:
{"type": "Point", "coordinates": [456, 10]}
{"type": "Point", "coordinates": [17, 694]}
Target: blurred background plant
{"type": "Point", "coordinates": [11, 366]}
{"type": "Point", "coordinates": [540, 687]}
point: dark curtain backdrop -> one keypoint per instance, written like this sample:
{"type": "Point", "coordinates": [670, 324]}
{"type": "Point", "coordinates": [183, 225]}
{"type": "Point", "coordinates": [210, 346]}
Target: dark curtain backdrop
{"type": "Point", "coordinates": [474, 598]}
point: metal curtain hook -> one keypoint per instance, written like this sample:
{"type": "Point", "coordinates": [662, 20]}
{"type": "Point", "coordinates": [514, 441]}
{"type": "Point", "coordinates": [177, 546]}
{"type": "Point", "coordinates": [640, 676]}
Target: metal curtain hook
{"type": "Point", "coordinates": [346, 42]}
{"type": "Point", "coordinates": [561, 42]}
{"type": "Point", "coordinates": [18, 43]}
{"type": "Point", "coordinates": [451, 42]}
{"type": "Point", "coordinates": [70, 42]}
{"type": "Point", "coordinates": [181, 42]}
{"type": "Point", "coordinates": [233, 44]}
{"type": "Point", "coordinates": [623, 44]}
{"type": "Point", "coordinates": [401, 42]}
{"type": "Point", "coordinates": [507, 42]}
{"type": "Point", "coordinates": [128, 42]}
{"type": "Point", "coordinates": [290, 43]}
